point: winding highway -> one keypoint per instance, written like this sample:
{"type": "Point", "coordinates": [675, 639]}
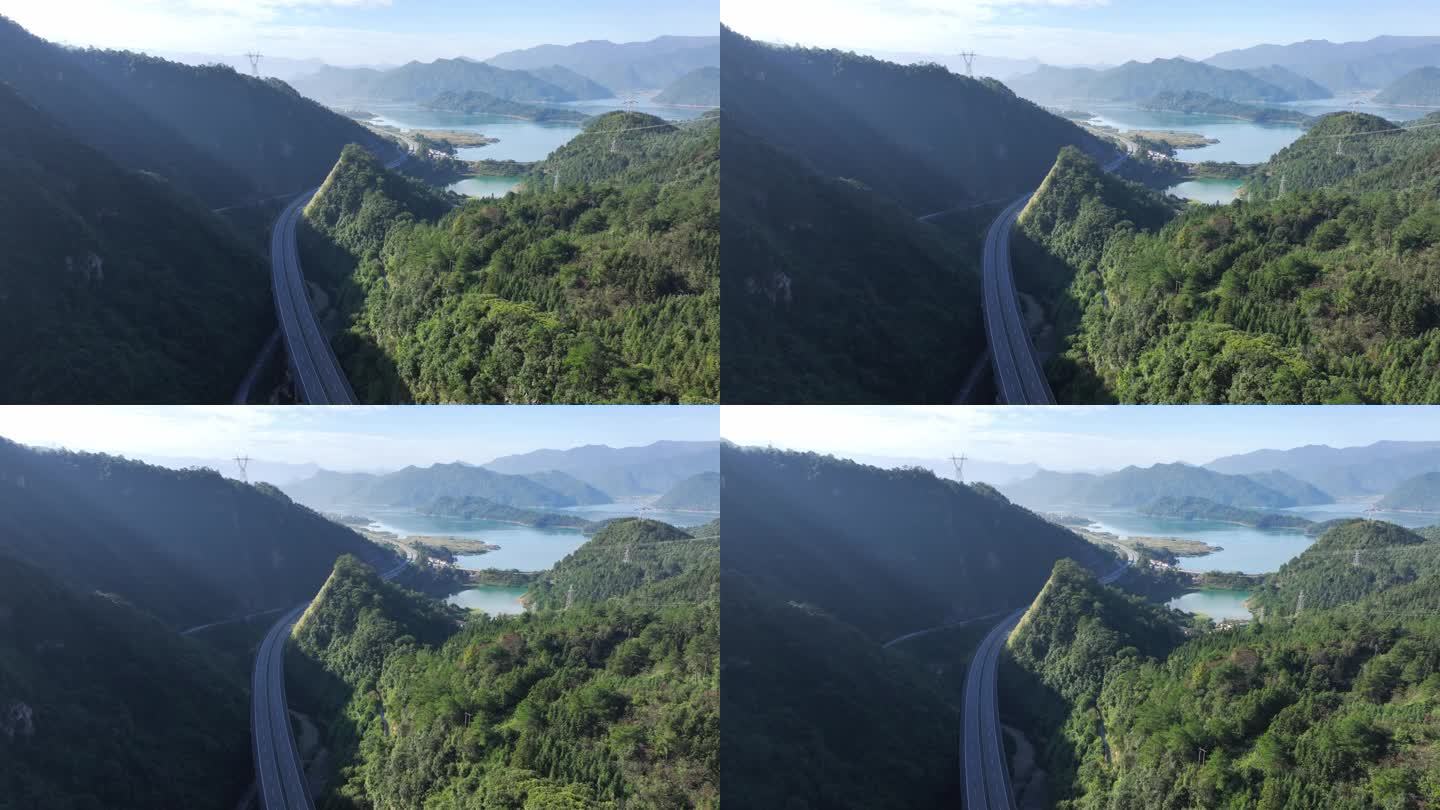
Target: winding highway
{"type": "Point", "coordinates": [1019, 377]}
{"type": "Point", "coordinates": [278, 770]}
{"type": "Point", "coordinates": [319, 380]}
{"type": "Point", "coordinates": [982, 748]}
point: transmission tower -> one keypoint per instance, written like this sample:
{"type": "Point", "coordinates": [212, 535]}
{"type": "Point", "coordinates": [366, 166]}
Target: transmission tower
{"type": "Point", "coordinates": [627, 552]}
{"type": "Point", "coordinates": [959, 467]}
{"type": "Point", "coordinates": [254, 62]}
{"type": "Point", "coordinates": [242, 462]}
{"type": "Point", "coordinates": [969, 57]}
{"type": "Point", "coordinates": [1300, 604]}
{"type": "Point", "coordinates": [570, 597]}
{"type": "Point", "coordinates": [1356, 562]}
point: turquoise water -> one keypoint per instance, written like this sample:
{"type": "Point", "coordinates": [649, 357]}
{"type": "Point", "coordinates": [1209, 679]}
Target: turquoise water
{"type": "Point", "coordinates": [1215, 191]}
{"type": "Point", "coordinates": [497, 600]}
{"type": "Point", "coordinates": [519, 139]}
{"type": "Point", "coordinates": [1245, 549]}
{"type": "Point", "coordinates": [1217, 605]}
{"type": "Point", "coordinates": [521, 547]}
{"type": "Point", "coordinates": [1240, 141]}
{"type": "Point", "coordinates": [485, 186]}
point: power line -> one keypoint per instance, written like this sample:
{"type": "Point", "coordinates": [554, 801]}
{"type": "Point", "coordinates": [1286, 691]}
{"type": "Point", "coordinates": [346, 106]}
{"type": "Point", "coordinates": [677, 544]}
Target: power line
{"type": "Point", "coordinates": [242, 462]}
{"type": "Point", "coordinates": [969, 57]}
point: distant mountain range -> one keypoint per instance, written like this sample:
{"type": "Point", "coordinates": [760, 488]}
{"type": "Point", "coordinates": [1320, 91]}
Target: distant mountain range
{"type": "Point", "coordinates": [1418, 88]}
{"type": "Point", "coordinates": [1136, 81]}
{"type": "Point", "coordinates": [619, 472]}
{"type": "Point", "coordinates": [698, 493]}
{"type": "Point", "coordinates": [422, 81]}
{"type": "Point", "coordinates": [1343, 472]}
{"type": "Point", "coordinates": [1418, 494]}
{"type": "Point", "coordinates": [1137, 486]}
{"type": "Point", "coordinates": [698, 88]}
{"type": "Point", "coordinates": [649, 65]}
{"type": "Point", "coordinates": [420, 486]}
{"type": "Point", "coordinates": [1342, 66]}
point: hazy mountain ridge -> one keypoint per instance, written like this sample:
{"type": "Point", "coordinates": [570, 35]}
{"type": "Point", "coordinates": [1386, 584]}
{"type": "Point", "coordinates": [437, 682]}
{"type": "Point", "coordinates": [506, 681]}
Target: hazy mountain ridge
{"type": "Point", "coordinates": [1349, 471]}
{"type": "Point", "coordinates": [623, 471]}
{"type": "Point", "coordinates": [419, 486]}
{"type": "Point", "coordinates": [1136, 81]}
{"type": "Point", "coordinates": [1136, 486]}
{"type": "Point", "coordinates": [621, 66]}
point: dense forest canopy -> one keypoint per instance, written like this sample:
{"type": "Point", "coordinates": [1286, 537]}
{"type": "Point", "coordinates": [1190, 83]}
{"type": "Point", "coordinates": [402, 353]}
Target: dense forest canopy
{"type": "Point", "coordinates": [1315, 296]}
{"type": "Point", "coordinates": [599, 283]}
{"type": "Point", "coordinates": [123, 289]}
{"type": "Point", "coordinates": [85, 720]}
{"type": "Point", "coordinates": [612, 701]}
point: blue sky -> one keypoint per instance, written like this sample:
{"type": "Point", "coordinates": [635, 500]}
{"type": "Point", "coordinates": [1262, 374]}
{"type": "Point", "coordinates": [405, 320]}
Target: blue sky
{"type": "Point", "coordinates": [353, 438]}
{"type": "Point", "coordinates": [1073, 31]}
{"type": "Point", "coordinates": [356, 31]}
{"type": "Point", "coordinates": [1072, 438]}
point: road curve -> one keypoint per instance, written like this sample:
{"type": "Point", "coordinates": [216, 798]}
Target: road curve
{"type": "Point", "coordinates": [982, 748]}
{"type": "Point", "coordinates": [1019, 376]}
{"type": "Point", "coordinates": [278, 771]}
{"type": "Point", "coordinates": [319, 380]}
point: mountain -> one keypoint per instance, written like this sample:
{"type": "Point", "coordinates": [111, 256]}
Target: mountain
{"type": "Point", "coordinates": [1136, 486]}
{"type": "Point", "coordinates": [1136, 81]}
{"type": "Point", "coordinates": [71, 662]}
{"type": "Point", "coordinates": [124, 289]}
{"type": "Point", "coordinates": [999, 67]}
{"type": "Point", "coordinates": [564, 293]}
{"type": "Point", "coordinates": [621, 66]}
{"type": "Point", "coordinates": [569, 485]}
{"type": "Point", "coordinates": [1327, 709]}
{"type": "Point", "coordinates": [613, 700]}
{"type": "Point", "coordinates": [422, 81]}
{"type": "Point", "coordinates": [277, 66]}
{"type": "Point", "coordinates": [188, 546]}
{"type": "Point", "coordinates": [1192, 101]}
{"type": "Point", "coordinates": [470, 507]}
{"type": "Point", "coordinates": [259, 469]}
{"type": "Point", "coordinates": [619, 471]}
{"type": "Point", "coordinates": [474, 102]}
{"type": "Point", "coordinates": [825, 560]}
{"type": "Point", "coordinates": [1343, 471]}
{"type": "Point", "coordinates": [1349, 562]}
{"type": "Point", "coordinates": [1343, 67]}
{"type": "Point", "coordinates": [55, 81]}
{"type": "Point", "coordinates": [833, 157]}
{"type": "Point", "coordinates": [1418, 494]}
{"type": "Point", "coordinates": [571, 82]}
{"type": "Point", "coordinates": [1302, 492]}
{"type": "Point", "coordinates": [1418, 88]}
{"type": "Point", "coordinates": [919, 135]}
{"type": "Point", "coordinates": [1191, 508]}
{"type": "Point", "coordinates": [623, 557]}
{"type": "Point", "coordinates": [1061, 653]}
{"type": "Point", "coordinates": [1297, 86]}
{"type": "Point", "coordinates": [1317, 52]}
{"type": "Point", "coordinates": [698, 493]}
{"type": "Point", "coordinates": [278, 140]}
{"type": "Point", "coordinates": [698, 88]}
{"type": "Point", "coordinates": [1364, 161]}
{"type": "Point", "coordinates": [420, 486]}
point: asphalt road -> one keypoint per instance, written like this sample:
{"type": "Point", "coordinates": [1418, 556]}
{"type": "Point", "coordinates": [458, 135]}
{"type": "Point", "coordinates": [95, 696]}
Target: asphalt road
{"type": "Point", "coordinates": [319, 380]}
{"type": "Point", "coordinates": [1019, 377]}
{"type": "Point", "coordinates": [277, 760]}
{"type": "Point", "coordinates": [982, 748]}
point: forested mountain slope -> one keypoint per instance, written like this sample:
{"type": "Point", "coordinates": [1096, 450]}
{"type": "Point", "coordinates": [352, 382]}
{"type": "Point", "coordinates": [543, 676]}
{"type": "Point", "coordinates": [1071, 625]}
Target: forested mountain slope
{"type": "Point", "coordinates": [1350, 561]}
{"type": "Point", "coordinates": [835, 294]}
{"type": "Point", "coordinates": [1418, 494]}
{"type": "Point", "coordinates": [1325, 296]}
{"type": "Point", "coordinates": [918, 134]}
{"type": "Point", "coordinates": [1334, 708]}
{"type": "Point", "coordinates": [188, 546]}
{"type": "Point", "coordinates": [86, 718]}
{"type": "Point", "coordinates": [421, 81]}
{"type": "Point", "coordinates": [826, 560]}
{"type": "Point", "coordinates": [614, 700]}
{"type": "Point", "coordinates": [700, 88]}
{"type": "Point", "coordinates": [699, 492]}
{"type": "Point", "coordinates": [121, 288]}
{"type": "Point", "coordinates": [1355, 152]}
{"type": "Point", "coordinates": [605, 288]}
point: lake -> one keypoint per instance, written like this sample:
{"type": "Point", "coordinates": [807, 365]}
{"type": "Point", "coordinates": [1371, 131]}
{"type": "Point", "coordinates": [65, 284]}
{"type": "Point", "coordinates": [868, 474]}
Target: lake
{"type": "Point", "coordinates": [1217, 604]}
{"type": "Point", "coordinates": [1244, 548]}
{"type": "Point", "coordinates": [1239, 141]}
{"type": "Point", "coordinates": [519, 139]}
{"type": "Point", "coordinates": [486, 186]}
{"type": "Point", "coordinates": [524, 548]}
